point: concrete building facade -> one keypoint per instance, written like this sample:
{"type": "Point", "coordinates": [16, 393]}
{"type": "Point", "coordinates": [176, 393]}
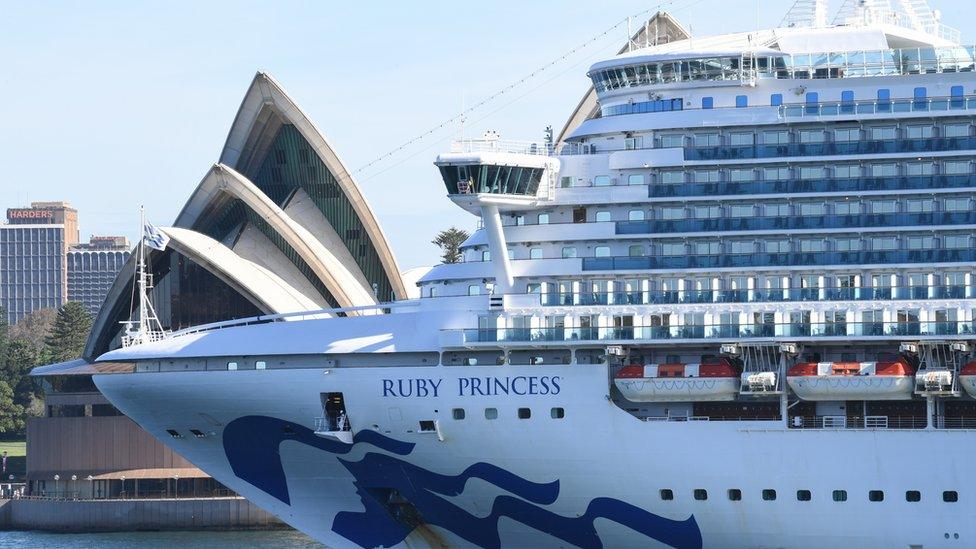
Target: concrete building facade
{"type": "Point", "coordinates": [92, 268]}
{"type": "Point", "coordinates": [33, 267]}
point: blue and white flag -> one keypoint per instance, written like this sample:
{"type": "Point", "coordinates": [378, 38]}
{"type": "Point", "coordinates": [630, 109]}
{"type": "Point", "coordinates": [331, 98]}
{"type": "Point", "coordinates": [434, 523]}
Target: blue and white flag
{"type": "Point", "coordinates": [154, 238]}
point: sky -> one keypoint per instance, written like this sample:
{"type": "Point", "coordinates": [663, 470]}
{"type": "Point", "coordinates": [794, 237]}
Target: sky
{"type": "Point", "coordinates": [113, 105]}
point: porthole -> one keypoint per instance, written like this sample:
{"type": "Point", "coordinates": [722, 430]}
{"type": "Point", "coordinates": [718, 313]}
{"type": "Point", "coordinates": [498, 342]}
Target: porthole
{"type": "Point", "coordinates": [803, 495]}
{"type": "Point", "coordinates": [491, 413]}
{"type": "Point", "coordinates": [457, 413]}
{"type": "Point", "coordinates": [557, 413]}
{"type": "Point", "coordinates": [667, 494]}
{"type": "Point", "coordinates": [231, 365]}
{"type": "Point", "coordinates": [701, 494]}
{"type": "Point", "coordinates": [769, 495]}
{"type": "Point", "coordinates": [950, 496]}
{"type": "Point", "coordinates": [913, 496]}
{"type": "Point", "coordinates": [840, 495]}
{"type": "Point", "coordinates": [735, 494]}
{"type": "Point", "coordinates": [876, 495]}
{"type": "Point", "coordinates": [524, 413]}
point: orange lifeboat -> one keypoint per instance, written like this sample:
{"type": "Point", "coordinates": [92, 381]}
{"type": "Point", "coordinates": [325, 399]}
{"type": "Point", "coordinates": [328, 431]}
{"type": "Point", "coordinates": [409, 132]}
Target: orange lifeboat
{"type": "Point", "coordinates": [893, 380]}
{"type": "Point", "coordinates": [967, 377]}
{"type": "Point", "coordinates": [709, 381]}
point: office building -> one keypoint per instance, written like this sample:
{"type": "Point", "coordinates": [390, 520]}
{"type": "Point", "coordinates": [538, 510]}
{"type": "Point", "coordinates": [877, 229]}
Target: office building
{"type": "Point", "coordinates": [92, 268]}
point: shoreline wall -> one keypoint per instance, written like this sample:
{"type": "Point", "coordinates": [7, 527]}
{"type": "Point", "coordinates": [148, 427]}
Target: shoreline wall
{"type": "Point", "coordinates": [135, 515]}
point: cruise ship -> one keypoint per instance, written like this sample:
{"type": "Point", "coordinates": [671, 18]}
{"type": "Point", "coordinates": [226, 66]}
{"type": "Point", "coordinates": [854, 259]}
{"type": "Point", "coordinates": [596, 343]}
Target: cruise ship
{"type": "Point", "coordinates": [731, 305]}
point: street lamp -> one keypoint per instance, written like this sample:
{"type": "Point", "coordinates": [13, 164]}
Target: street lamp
{"type": "Point", "coordinates": [176, 482]}
{"type": "Point", "coordinates": [91, 486]}
{"type": "Point", "coordinates": [123, 485]}
{"type": "Point", "coordinates": [56, 479]}
{"type": "Point", "coordinates": [74, 490]}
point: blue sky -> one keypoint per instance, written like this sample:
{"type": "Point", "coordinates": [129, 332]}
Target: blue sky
{"type": "Point", "coordinates": [110, 105]}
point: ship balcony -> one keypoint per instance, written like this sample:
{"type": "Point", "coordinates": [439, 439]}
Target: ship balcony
{"type": "Point", "coordinates": [794, 222]}
{"type": "Point", "coordinates": [794, 186]}
{"type": "Point", "coordinates": [759, 295]}
{"type": "Point", "coordinates": [796, 150]}
{"type": "Point", "coordinates": [831, 148]}
{"type": "Point", "coordinates": [791, 331]}
{"type": "Point", "coordinates": [786, 259]}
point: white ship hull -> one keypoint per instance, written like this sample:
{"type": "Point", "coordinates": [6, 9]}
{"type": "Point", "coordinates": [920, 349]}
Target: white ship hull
{"type": "Point", "coordinates": [592, 478]}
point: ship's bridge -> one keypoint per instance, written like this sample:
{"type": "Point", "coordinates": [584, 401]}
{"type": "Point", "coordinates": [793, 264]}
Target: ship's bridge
{"type": "Point", "coordinates": [508, 175]}
{"type": "Point", "coordinates": [486, 176]}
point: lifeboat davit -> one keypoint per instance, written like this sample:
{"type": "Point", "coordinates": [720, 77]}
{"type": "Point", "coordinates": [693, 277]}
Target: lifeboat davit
{"type": "Point", "coordinates": [678, 382]}
{"type": "Point", "coordinates": [852, 380]}
{"type": "Point", "coordinates": [967, 377]}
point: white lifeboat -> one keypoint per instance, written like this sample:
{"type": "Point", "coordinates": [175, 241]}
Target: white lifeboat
{"type": "Point", "coordinates": [967, 378]}
{"type": "Point", "coordinates": [852, 380]}
{"type": "Point", "coordinates": [678, 382]}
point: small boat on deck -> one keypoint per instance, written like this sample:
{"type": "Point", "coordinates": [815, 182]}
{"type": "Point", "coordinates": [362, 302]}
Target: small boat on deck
{"type": "Point", "coordinates": [892, 380]}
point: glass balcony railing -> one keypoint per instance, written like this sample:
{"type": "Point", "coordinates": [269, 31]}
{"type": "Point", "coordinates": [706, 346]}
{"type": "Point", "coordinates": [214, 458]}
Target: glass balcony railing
{"type": "Point", "coordinates": [788, 259]}
{"type": "Point", "coordinates": [830, 148]}
{"type": "Point", "coordinates": [768, 295]}
{"type": "Point", "coordinates": [720, 331]}
{"type": "Point", "coordinates": [666, 226]}
{"type": "Point", "coordinates": [933, 104]}
{"type": "Point", "coordinates": [793, 186]}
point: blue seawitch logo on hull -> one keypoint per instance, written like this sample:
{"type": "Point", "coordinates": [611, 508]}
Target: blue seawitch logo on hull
{"type": "Point", "coordinates": [399, 496]}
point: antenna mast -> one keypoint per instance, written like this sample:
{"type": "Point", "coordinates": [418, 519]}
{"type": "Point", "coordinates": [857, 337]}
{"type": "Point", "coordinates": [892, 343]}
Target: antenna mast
{"type": "Point", "coordinates": [146, 326]}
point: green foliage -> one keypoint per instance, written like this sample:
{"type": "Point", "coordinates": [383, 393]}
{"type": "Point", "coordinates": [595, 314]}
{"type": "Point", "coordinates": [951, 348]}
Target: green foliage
{"type": "Point", "coordinates": [68, 334]}
{"type": "Point", "coordinates": [449, 241]}
{"type": "Point", "coordinates": [12, 419]}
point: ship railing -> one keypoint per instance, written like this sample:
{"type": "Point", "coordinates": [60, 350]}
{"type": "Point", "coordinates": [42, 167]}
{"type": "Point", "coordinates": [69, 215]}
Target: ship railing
{"type": "Point", "coordinates": [943, 422]}
{"type": "Point", "coordinates": [379, 308]}
{"type": "Point", "coordinates": [758, 295]}
{"type": "Point", "coordinates": [330, 424]}
{"type": "Point", "coordinates": [653, 419]}
{"type": "Point", "coordinates": [540, 148]}
{"type": "Point", "coordinates": [857, 422]}
{"type": "Point", "coordinates": [721, 331]}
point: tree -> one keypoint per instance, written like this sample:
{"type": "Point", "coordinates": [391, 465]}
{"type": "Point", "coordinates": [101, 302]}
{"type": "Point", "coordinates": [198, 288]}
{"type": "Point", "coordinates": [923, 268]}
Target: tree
{"type": "Point", "coordinates": [21, 359]}
{"type": "Point", "coordinates": [33, 328]}
{"type": "Point", "coordinates": [66, 340]}
{"type": "Point", "coordinates": [11, 413]}
{"type": "Point", "coordinates": [4, 339]}
{"type": "Point", "coordinates": [449, 241]}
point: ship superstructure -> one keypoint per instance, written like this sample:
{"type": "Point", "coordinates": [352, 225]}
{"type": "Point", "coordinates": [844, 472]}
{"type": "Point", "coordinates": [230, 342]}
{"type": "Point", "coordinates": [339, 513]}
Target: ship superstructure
{"type": "Point", "coordinates": [735, 308]}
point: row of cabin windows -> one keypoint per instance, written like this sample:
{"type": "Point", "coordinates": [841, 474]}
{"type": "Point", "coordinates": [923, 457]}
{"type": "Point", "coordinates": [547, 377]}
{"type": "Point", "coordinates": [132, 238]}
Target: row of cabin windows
{"type": "Point", "coordinates": [786, 209]}
{"type": "Point", "coordinates": [846, 97]}
{"type": "Point", "coordinates": [735, 494]}
{"type": "Point", "coordinates": [522, 413]}
{"type": "Point", "coordinates": [769, 245]}
{"type": "Point", "coordinates": [816, 135]}
{"type": "Point", "coordinates": [814, 172]}
{"type": "Point", "coordinates": [602, 180]}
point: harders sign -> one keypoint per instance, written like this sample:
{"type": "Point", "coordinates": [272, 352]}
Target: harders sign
{"type": "Point", "coordinates": [29, 214]}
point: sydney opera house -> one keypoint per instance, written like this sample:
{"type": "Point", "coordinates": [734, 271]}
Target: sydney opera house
{"type": "Point", "coordinates": [277, 225]}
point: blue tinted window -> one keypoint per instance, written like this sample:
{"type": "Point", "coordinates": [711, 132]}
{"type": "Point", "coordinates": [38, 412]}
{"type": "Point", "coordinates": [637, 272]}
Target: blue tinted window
{"type": "Point", "coordinates": [707, 102]}
{"type": "Point", "coordinates": [956, 91]}
{"type": "Point", "coordinates": [813, 97]}
{"type": "Point", "coordinates": [920, 93]}
{"type": "Point", "coordinates": [776, 99]}
{"type": "Point", "coordinates": [741, 101]}
{"type": "Point", "coordinates": [847, 96]}
{"type": "Point", "coordinates": [884, 94]}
